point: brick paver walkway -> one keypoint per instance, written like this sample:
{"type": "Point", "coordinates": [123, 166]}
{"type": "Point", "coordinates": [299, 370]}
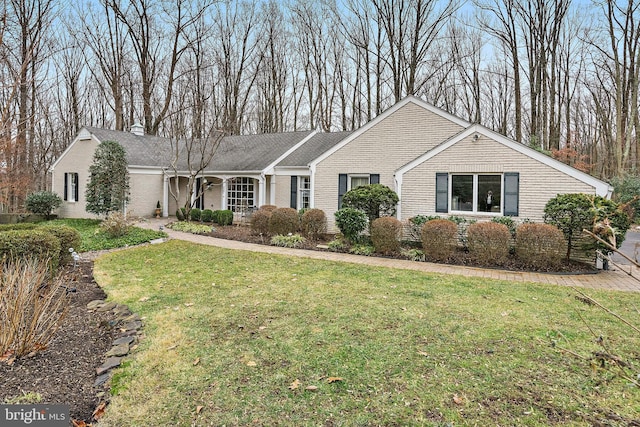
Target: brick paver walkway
{"type": "Point", "coordinates": [615, 279]}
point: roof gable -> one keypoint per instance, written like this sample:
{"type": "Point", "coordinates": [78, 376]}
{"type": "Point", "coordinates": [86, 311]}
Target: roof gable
{"type": "Point", "coordinates": [602, 188]}
{"type": "Point", "coordinates": [387, 113]}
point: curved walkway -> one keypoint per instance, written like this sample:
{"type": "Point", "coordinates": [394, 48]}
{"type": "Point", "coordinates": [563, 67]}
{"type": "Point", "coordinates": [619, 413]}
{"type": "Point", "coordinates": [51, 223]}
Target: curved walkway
{"type": "Point", "coordinates": [614, 279]}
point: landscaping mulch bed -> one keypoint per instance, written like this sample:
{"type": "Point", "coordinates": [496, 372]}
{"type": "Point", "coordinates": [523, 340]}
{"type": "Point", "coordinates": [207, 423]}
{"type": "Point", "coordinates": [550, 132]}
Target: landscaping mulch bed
{"type": "Point", "coordinates": [243, 233]}
{"type": "Point", "coordinates": [65, 372]}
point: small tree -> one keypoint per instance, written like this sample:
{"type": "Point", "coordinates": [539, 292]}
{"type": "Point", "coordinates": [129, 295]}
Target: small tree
{"type": "Point", "coordinates": [571, 213]}
{"type": "Point", "coordinates": [375, 200]}
{"type": "Point", "coordinates": [43, 203]}
{"type": "Point", "coordinates": [108, 186]}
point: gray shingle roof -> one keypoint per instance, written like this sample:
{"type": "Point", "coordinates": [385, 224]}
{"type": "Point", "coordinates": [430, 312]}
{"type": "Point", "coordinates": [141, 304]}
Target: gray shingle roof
{"type": "Point", "coordinates": [235, 153]}
{"type": "Point", "coordinates": [312, 149]}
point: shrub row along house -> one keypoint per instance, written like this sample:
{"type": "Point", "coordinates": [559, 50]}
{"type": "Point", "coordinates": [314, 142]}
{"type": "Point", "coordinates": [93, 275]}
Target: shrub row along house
{"type": "Point", "coordinates": [437, 164]}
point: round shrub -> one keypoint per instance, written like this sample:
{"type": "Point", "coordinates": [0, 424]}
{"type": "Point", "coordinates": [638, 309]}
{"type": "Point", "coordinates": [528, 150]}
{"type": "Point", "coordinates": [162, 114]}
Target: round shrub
{"type": "Point", "coordinates": [260, 221]}
{"type": "Point", "coordinates": [195, 214]}
{"type": "Point", "coordinates": [351, 223]}
{"type": "Point", "coordinates": [115, 225]}
{"type": "Point", "coordinates": [69, 238]}
{"type": "Point", "coordinates": [37, 243]}
{"type": "Point", "coordinates": [488, 242]}
{"type": "Point", "coordinates": [225, 217]}
{"type": "Point", "coordinates": [540, 246]}
{"type": "Point", "coordinates": [439, 238]}
{"type": "Point", "coordinates": [385, 234]}
{"type": "Point", "coordinates": [42, 203]}
{"type": "Point", "coordinates": [375, 200]}
{"type": "Point", "coordinates": [284, 221]}
{"type": "Point", "coordinates": [313, 223]}
{"type": "Point", "coordinates": [207, 215]}
{"type": "Point", "coordinates": [268, 208]}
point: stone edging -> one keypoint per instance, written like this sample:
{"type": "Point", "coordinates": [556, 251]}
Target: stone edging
{"type": "Point", "coordinates": [129, 326]}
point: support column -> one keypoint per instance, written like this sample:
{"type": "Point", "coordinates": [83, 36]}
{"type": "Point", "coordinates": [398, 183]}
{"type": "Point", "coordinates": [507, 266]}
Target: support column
{"type": "Point", "coordinates": [261, 190]}
{"type": "Point", "coordinates": [165, 196]}
{"type": "Point", "coordinates": [224, 192]}
{"type": "Point", "coordinates": [272, 191]}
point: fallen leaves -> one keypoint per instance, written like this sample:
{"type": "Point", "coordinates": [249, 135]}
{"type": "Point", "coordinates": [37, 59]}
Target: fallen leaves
{"type": "Point", "coordinates": [295, 384]}
{"type": "Point", "coordinates": [251, 363]}
{"type": "Point", "coordinates": [311, 388]}
{"type": "Point", "coordinates": [9, 357]}
{"type": "Point", "coordinates": [143, 299]}
{"type": "Point", "coordinates": [195, 362]}
{"type": "Point", "coordinates": [458, 400]}
{"type": "Point", "coordinates": [332, 380]}
{"type": "Point", "coordinates": [99, 411]}
{"type": "Point", "coordinates": [79, 423]}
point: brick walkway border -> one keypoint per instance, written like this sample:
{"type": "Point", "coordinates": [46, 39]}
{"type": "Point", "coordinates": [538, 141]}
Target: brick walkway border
{"type": "Point", "coordinates": [617, 278]}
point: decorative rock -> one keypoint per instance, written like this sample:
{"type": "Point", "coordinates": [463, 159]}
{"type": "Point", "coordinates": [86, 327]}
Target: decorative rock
{"type": "Point", "coordinates": [119, 350]}
{"type": "Point", "coordinates": [95, 304]}
{"type": "Point", "coordinates": [121, 310]}
{"type": "Point", "coordinates": [156, 241]}
{"type": "Point", "coordinates": [124, 340]}
{"type": "Point", "coordinates": [132, 326]}
{"type": "Point", "coordinates": [106, 307]}
{"type": "Point", "coordinates": [131, 318]}
{"type": "Point", "coordinates": [109, 364]}
{"type": "Point", "coordinates": [101, 379]}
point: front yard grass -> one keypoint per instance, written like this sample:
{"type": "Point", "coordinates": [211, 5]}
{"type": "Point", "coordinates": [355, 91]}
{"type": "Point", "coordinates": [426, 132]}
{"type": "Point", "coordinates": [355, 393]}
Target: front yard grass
{"type": "Point", "coordinates": [241, 338]}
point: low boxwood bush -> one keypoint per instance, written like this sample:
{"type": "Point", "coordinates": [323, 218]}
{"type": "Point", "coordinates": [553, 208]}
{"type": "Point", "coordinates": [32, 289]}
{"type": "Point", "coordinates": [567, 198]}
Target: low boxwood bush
{"type": "Point", "coordinates": [488, 242]}
{"type": "Point", "coordinates": [288, 241]}
{"type": "Point", "coordinates": [207, 215]}
{"type": "Point", "coordinates": [195, 214]}
{"type": "Point", "coordinates": [284, 221]}
{"type": "Point", "coordinates": [260, 221]}
{"type": "Point", "coordinates": [540, 246]}
{"type": "Point", "coordinates": [385, 234]}
{"type": "Point", "coordinates": [224, 217]}
{"type": "Point", "coordinates": [439, 238]}
{"type": "Point", "coordinates": [351, 223]}
{"type": "Point", "coordinates": [30, 244]}
{"type": "Point", "coordinates": [69, 238]}
{"type": "Point", "coordinates": [313, 223]}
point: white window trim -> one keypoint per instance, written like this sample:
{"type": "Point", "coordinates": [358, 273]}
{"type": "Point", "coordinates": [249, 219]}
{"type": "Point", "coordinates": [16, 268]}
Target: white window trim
{"type": "Point", "coordinates": [302, 190]}
{"type": "Point", "coordinates": [72, 189]}
{"type": "Point", "coordinates": [232, 202]}
{"type": "Point", "coordinates": [474, 207]}
{"type": "Point", "coordinates": [357, 175]}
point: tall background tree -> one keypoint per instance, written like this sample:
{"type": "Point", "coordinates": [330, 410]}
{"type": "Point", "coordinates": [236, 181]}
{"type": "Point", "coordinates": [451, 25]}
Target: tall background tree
{"type": "Point", "coordinates": [559, 75]}
{"type": "Point", "coordinates": [108, 186]}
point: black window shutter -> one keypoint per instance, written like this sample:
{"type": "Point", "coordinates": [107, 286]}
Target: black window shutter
{"type": "Point", "coordinates": [442, 192]}
{"type": "Point", "coordinates": [66, 186]}
{"type": "Point", "coordinates": [77, 186]}
{"type": "Point", "coordinates": [374, 178]}
{"type": "Point", "coordinates": [511, 193]}
{"type": "Point", "coordinates": [294, 192]}
{"type": "Point", "coordinates": [342, 188]}
{"type": "Point", "coordinates": [197, 193]}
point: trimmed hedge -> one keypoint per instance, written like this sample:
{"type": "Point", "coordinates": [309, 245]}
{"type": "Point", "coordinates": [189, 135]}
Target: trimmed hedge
{"type": "Point", "coordinates": [18, 226]}
{"type": "Point", "coordinates": [313, 223]}
{"type": "Point", "coordinates": [195, 214]}
{"type": "Point", "coordinates": [69, 238]}
{"type": "Point", "coordinates": [541, 246]}
{"type": "Point", "coordinates": [37, 243]}
{"type": "Point", "coordinates": [284, 221]}
{"type": "Point", "coordinates": [439, 239]}
{"type": "Point", "coordinates": [207, 215]}
{"type": "Point", "coordinates": [488, 242]}
{"type": "Point", "coordinates": [223, 217]}
{"type": "Point", "coordinates": [385, 234]}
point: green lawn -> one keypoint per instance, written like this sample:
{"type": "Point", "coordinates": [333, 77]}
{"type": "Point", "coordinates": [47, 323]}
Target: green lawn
{"type": "Point", "coordinates": [93, 239]}
{"type": "Point", "coordinates": [236, 338]}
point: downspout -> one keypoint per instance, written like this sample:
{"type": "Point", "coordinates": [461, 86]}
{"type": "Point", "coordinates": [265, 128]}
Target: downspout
{"type": "Point", "coordinates": [398, 183]}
